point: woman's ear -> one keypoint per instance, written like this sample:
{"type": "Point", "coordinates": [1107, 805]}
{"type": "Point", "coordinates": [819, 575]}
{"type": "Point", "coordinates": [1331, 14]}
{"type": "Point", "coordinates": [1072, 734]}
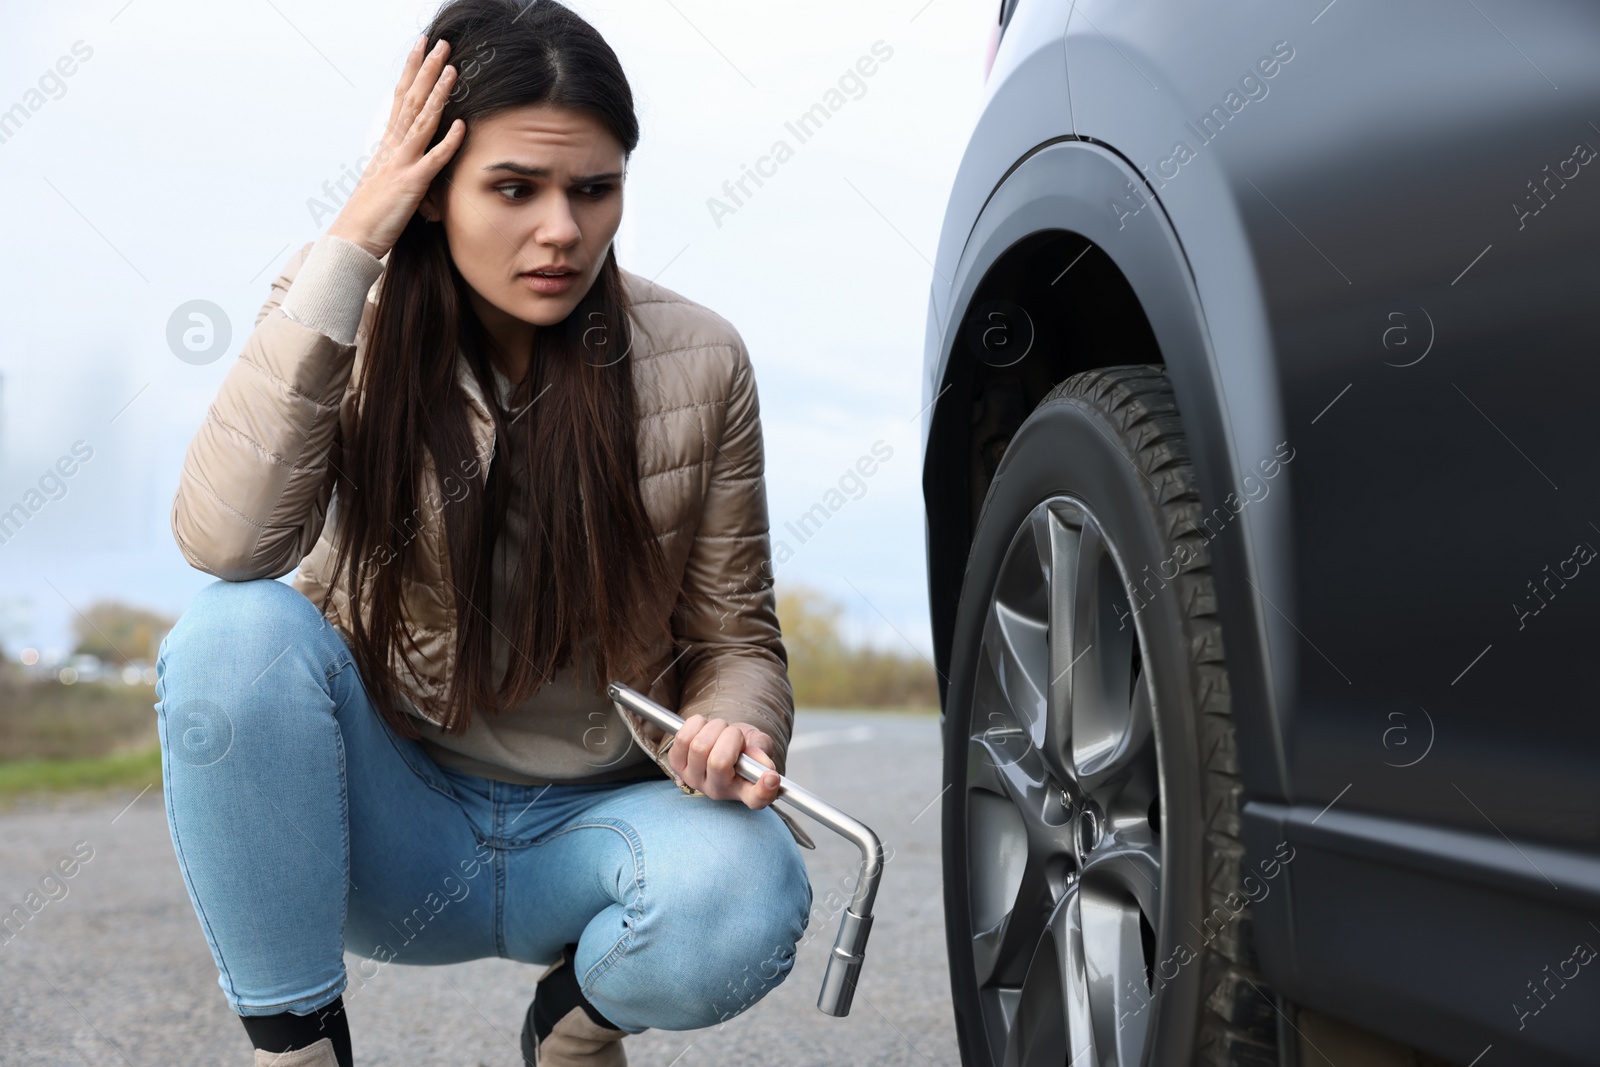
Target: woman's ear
{"type": "Point", "coordinates": [429, 208]}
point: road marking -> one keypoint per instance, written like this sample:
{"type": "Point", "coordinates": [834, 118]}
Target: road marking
{"type": "Point", "coordinates": [852, 735]}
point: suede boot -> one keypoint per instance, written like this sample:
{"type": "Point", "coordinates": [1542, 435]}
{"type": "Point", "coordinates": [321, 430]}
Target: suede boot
{"type": "Point", "coordinates": [317, 1054]}
{"type": "Point", "coordinates": [576, 1039]}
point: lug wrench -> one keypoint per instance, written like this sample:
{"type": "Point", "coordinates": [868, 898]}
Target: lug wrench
{"type": "Point", "coordinates": [849, 948]}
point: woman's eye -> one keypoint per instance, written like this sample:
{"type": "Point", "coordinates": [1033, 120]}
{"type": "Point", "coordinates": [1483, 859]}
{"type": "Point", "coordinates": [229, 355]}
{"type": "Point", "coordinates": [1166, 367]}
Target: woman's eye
{"type": "Point", "coordinates": [506, 189]}
{"type": "Point", "coordinates": [596, 191]}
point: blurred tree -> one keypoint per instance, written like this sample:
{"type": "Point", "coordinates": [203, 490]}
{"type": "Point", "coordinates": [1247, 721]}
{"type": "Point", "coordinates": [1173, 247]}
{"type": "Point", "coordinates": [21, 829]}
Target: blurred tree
{"type": "Point", "coordinates": [118, 632]}
{"type": "Point", "coordinates": [10, 679]}
{"type": "Point", "coordinates": [828, 673]}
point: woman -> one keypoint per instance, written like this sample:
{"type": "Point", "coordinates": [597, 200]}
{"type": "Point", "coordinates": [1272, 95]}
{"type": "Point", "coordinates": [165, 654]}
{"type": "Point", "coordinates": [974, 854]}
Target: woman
{"type": "Point", "coordinates": [509, 471]}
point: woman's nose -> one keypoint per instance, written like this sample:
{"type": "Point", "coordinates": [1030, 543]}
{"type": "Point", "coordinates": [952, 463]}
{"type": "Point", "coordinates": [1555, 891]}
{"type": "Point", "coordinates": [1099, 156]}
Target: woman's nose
{"type": "Point", "coordinates": [557, 226]}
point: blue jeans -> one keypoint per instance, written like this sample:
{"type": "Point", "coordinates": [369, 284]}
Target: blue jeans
{"type": "Point", "coordinates": [305, 826]}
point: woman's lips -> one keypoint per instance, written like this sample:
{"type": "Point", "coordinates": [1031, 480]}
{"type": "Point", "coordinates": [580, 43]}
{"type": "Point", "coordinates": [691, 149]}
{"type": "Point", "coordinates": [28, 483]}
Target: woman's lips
{"type": "Point", "coordinates": [549, 285]}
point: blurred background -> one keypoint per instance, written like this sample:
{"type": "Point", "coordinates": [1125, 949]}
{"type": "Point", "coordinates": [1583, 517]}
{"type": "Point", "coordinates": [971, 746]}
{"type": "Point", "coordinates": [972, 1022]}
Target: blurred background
{"type": "Point", "coordinates": [194, 147]}
{"type": "Point", "coordinates": [189, 152]}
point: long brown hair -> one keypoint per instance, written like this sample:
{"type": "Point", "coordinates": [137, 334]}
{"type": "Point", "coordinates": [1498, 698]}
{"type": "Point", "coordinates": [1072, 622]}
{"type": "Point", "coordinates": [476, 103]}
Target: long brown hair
{"type": "Point", "coordinates": [592, 566]}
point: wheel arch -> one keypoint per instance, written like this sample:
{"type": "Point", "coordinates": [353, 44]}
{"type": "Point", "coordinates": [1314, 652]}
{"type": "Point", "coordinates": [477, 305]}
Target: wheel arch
{"type": "Point", "coordinates": [1073, 208]}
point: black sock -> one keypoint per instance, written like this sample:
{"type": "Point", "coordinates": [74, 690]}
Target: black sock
{"type": "Point", "coordinates": [287, 1031]}
{"type": "Point", "coordinates": [559, 994]}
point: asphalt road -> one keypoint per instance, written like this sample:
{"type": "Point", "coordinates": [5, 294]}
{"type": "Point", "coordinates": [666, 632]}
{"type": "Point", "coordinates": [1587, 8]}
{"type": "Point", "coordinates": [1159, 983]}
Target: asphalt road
{"type": "Point", "coordinates": [117, 970]}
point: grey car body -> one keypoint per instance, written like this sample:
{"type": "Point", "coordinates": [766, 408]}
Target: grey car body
{"type": "Point", "coordinates": [1366, 236]}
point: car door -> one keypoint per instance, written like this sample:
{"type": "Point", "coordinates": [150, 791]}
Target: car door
{"type": "Point", "coordinates": [1414, 192]}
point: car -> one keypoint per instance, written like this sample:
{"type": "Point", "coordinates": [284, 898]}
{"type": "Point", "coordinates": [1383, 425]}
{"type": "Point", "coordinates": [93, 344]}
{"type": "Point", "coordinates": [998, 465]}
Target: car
{"type": "Point", "coordinates": [1259, 383]}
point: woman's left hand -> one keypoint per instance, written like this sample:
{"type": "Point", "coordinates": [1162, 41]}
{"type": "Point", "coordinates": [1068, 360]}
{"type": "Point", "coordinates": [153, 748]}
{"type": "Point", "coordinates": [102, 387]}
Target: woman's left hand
{"type": "Point", "coordinates": [706, 750]}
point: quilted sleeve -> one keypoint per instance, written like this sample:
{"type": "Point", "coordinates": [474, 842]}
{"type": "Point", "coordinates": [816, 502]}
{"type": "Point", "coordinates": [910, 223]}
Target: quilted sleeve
{"type": "Point", "coordinates": [258, 475]}
{"type": "Point", "coordinates": [733, 662]}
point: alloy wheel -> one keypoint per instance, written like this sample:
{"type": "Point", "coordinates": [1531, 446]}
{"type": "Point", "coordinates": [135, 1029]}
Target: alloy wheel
{"type": "Point", "coordinates": [1063, 805]}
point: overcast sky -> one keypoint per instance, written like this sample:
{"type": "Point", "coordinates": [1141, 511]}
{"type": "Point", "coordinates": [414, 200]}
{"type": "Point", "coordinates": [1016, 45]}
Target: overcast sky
{"type": "Point", "coordinates": [181, 160]}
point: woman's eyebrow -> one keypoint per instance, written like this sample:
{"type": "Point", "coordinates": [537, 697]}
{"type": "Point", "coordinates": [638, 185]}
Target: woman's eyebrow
{"type": "Point", "coordinates": [542, 172]}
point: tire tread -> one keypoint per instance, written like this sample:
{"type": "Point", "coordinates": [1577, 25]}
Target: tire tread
{"type": "Point", "coordinates": [1238, 1024]}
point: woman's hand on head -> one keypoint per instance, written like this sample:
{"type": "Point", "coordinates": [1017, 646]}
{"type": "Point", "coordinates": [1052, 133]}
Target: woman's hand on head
{"type": "Point", "coordinates": [398, 176]}
{"type": "Point", "coordinates": [706, 750]}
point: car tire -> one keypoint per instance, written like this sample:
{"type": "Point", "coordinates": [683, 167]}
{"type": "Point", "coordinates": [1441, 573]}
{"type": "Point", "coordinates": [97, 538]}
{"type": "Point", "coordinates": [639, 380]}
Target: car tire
{"type": "Point", "coordinates": [1096, 894]}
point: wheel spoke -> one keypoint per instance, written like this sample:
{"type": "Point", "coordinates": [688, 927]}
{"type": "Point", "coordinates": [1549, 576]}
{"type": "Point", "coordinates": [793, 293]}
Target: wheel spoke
{"type": "Point", "coordinates": [1119, 992]}
{"type": "Point", "coordinates": [1015, 643]}
{"type": "Point", "coordinates": [1049, 1021]}
{"type": "Point", "coordinates": [1020, 855]}
{"type": "Point", "coordinates": [1058, 539]}
{"type": "Point", "coordinates": [1066, 927]}
{"type": "Point", "coordinates": [1103, 639]}
{"type": "Point", "coordinates": [1129, 759]}
{"type": "Point", "coordinates": [1000, 762]}
{"type": "Point", "coordinates": [1001, 952]}
{"type": "Point", "coordinates": [1128, 861]}
{"type": "Point", "coordinates": [1038, 1035]}
{"type": "Point", "coordinates": [999, 729]}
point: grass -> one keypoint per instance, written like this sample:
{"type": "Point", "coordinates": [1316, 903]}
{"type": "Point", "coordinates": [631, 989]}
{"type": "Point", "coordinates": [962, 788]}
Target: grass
{"type": "Point", "coordinates": [103, 772]}
{"type": "Point", "coordinates": [88, 736]}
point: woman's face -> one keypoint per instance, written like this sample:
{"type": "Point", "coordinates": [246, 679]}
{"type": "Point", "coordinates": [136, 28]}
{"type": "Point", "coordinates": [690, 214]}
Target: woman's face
{"type": "Point", "coordinates": [530, 188]}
